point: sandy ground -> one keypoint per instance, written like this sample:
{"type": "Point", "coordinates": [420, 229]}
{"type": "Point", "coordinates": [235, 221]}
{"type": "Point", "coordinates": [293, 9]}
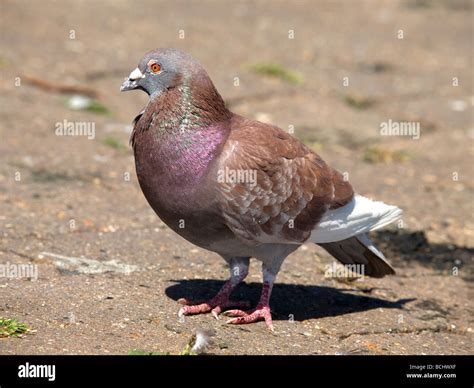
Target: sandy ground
{"type": "Point", "coordinates": [109, 272]}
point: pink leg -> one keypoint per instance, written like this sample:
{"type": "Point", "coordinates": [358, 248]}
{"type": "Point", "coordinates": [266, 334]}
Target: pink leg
{"type": "Point", "coordinates": [261, 312]}
{"type": "Point", "coordinates": [239, 270]}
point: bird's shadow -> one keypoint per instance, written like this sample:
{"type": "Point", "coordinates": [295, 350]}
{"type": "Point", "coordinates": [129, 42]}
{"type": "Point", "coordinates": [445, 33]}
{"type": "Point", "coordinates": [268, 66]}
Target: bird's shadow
{"type": "Point", "coordinates": [404, 248]}
{"type": "Point", "coordinates": [302, 302]}
{"type": "Point", "coordinates": [296, 301]}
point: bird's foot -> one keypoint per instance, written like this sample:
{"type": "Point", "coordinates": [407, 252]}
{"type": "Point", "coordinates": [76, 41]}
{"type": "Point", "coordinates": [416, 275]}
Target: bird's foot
{"type": "Point", "coordinates": [215, 306]}
{"type": "Point", "coordinates": [261, 312]}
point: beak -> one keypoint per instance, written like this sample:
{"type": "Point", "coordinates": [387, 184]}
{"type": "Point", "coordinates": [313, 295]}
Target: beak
{"type": "Point", "coordinates": [130, 83]}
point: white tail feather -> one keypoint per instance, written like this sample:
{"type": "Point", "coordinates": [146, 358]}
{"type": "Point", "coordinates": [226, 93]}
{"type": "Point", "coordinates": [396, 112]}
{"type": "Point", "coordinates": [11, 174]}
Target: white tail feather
{"type": "Point", "coordinates": [361, 215]}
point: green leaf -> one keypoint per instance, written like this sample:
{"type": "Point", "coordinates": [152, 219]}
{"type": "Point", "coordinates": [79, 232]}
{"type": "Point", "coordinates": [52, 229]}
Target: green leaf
{"type": "Point", "coordinates": [378, 154]}
{"type": "Point", "coordinates": [138, 352]}
{"type": "Point", "coordinates": [276, 71]}
{"type": "Point", "coordinates": [13, 328]}
{"type": "Point", "coordinates": [114, 143]}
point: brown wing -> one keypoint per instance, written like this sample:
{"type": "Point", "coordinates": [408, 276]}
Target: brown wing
{"type": "Point", "coordinates": [272, 188]}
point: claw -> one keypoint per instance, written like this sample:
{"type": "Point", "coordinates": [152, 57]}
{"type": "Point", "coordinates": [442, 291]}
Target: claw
{"type": "Point", "coordinates": [215, 313]}
{"type": "Point", "coordinates": [215, 307]}
{"type": "Point", "coordinates": [221, 302]}
{"type": "Point", "coordinates": [261, 312]}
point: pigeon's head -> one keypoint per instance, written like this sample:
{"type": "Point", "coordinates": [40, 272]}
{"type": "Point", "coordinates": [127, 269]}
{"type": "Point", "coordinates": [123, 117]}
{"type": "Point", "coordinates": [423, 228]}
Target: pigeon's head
{"type": "Point", "coordinates": [161, 70]}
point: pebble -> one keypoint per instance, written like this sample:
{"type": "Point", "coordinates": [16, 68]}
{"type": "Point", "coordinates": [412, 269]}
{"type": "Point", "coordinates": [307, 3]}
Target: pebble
{"type": "Point", "coordinates": [458, 105]}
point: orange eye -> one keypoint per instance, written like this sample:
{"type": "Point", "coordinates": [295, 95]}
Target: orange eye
{"type": "Point", "coordinates": [155, 67]}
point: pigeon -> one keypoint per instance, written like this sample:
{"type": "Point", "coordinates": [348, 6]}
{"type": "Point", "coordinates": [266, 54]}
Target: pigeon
{"type": "Point", "coordinates": [239, 187]}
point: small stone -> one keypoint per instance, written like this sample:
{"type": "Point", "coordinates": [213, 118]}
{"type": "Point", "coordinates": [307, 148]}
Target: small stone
{"type": "Point", "coordinates": [458, 105]}
{"type": "Point", "coordinates": [79, 102]}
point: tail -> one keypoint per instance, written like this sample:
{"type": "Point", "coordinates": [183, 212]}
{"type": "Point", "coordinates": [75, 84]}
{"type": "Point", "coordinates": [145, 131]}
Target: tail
{"type": "Point", "coordinates": [360, 250]}
{"type": "Point", "coordinates": [343, 233]}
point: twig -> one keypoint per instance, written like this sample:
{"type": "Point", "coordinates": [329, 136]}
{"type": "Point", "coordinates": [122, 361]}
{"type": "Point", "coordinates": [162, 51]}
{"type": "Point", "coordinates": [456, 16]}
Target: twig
{"type": "Point", "coordinates": [60, 88]}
